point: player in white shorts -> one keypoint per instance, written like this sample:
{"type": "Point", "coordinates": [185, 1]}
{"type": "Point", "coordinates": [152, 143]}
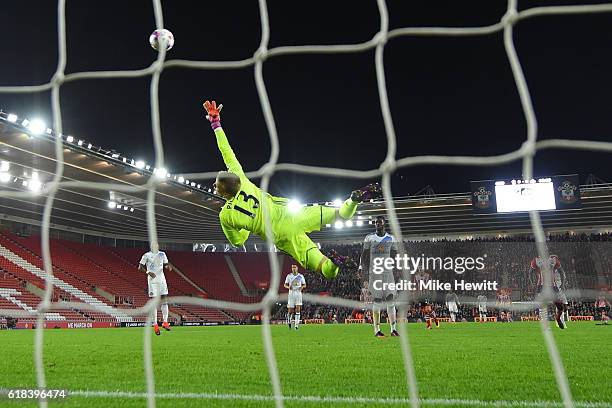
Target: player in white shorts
{"type": "Point", "coordinates": [452, 301]}
{"type": "Point", "coordinates": [482, 308]}
{"type": "Point", "coordinates": [296, 283]}
{"type": "Point", "coordinates": [153, 264]}
{"type": "Point", "coordinates": [379, 245]}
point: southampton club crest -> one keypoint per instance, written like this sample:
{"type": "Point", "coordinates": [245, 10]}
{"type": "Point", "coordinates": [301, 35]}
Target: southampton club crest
{"type": "Point", "coordinates": [567, 190]}
{"type": "Point", "coordinates": [483, 197]}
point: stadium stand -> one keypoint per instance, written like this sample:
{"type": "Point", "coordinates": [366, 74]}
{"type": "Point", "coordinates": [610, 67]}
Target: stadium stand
{"type": "Point", "coordinates": [85, 270]}
{"type": "Point", "coordinates": [14, 295]}
{"type": "Point", "coordinates": [130, 286]}
{"type": "Point", "coordinates": [108, 276]}
{"type": "Point", "coordinates": [255, 270]}
{"type": "Point", "coordinates": [27, 265]}
{"type": "Point", "coordinates": [176, 285]}
{"type": "Point", "coordinates": [211, 272]}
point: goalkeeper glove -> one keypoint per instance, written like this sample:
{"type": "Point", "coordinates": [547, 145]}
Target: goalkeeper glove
{"type": "Point", "coordinates": [212, 113]}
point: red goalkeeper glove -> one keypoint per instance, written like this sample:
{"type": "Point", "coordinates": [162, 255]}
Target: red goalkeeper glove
{"type": "Point", "coordinates": [213, 113]}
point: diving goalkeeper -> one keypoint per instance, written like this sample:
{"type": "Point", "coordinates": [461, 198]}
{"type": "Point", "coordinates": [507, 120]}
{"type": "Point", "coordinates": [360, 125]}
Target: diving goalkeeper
{"type": "Point", "coordinates": [242, 213]}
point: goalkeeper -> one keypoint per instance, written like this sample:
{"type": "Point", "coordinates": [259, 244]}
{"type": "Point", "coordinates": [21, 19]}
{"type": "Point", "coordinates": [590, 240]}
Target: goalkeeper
{"type": "Point", "coordinates": [242, 212]}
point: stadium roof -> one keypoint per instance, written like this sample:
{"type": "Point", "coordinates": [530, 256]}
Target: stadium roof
{"type": "Point", "coordinates": [187, 212]}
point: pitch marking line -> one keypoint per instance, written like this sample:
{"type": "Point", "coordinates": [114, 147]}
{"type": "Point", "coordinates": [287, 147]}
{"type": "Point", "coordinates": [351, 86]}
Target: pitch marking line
{"type": "Point", "coordinates": [332, 399]}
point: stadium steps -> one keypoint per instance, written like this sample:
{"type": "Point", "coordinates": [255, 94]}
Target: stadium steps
{"type": "Point", "coordinates": [26, 297]}
{"type": "Point", "coordinates": [80, 294]}
{"type": "Point", "coordinates": [11, 295]}
{"type": "Point", "coordinates": [28, 249]}
{"type": "Point", "coordinates": [38, 282]}
{"type": "Point", "coordinates": [236, 276]}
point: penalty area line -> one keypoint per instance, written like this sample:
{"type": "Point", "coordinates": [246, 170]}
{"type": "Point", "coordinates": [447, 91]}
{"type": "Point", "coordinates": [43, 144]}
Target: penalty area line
{"type": "Point", "coordinates": [334, 399]}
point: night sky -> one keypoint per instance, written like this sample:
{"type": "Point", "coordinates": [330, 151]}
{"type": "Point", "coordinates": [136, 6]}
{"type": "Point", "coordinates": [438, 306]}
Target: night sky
{"type": "Point", "coordinates": [452, 96]}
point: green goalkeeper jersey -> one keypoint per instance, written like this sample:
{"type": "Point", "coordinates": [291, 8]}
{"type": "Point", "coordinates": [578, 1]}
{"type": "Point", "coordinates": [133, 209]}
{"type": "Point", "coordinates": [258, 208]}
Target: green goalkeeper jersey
{"type": "Point", "coordinates": [242, 214]}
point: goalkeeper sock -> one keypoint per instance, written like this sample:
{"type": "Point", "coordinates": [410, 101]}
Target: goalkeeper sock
{"type": "Point", "coordinates": [164, 309]}
{"type": "Point", "coordinates": [391, 316]}
{"type": "Point", "coordinates": [329, 269]}
{"type": "Point", "coordinates": [297, 320]}
{"type": "Point", "coordinates": [348, 209]}
{"type": "Point", "coordinates": [313, 263]}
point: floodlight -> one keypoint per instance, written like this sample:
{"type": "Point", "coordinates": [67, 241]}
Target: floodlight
{"type": "Point", "coordinates": [160, 173]}
{"type": "Point", "coordinates": [294, 205]}
{"type": "Point", "coordinates": [37, 127]}
{"type": "Point", "coordinates": [35, 185]}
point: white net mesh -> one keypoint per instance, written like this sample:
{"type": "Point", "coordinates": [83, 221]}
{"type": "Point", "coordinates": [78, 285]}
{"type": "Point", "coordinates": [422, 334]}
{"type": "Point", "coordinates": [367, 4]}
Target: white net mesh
{"type": "Point", "coordinates": [386, 169]}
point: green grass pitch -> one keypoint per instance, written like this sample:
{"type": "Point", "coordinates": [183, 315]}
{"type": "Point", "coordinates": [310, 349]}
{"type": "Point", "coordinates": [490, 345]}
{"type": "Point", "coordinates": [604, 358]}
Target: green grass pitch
{"type": "Point", "coordinates": [466, 364]}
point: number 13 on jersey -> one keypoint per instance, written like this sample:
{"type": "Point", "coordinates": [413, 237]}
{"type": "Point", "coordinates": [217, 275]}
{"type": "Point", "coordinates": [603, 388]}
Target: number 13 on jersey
{"type": "Point", "coordinates": [247, 208]}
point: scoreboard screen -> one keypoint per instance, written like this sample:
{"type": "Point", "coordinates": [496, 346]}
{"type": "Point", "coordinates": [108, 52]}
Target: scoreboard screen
{"type": "Point", "coordinates": [509, 196]}
{"type": "Point", "coordinates": [525, 197]}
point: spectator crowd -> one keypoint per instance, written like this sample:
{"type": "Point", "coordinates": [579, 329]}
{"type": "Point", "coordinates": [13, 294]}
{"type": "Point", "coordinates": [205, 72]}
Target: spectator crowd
{"type": "Point", "coordinates": [586, 260]}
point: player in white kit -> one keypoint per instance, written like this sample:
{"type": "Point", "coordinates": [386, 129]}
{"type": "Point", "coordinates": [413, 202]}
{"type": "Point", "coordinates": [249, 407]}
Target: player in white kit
{"type": "Point", "coordinates": [379, 245]}
{"type": "Point", "coordinates": [452, 301]}
{"type": "Point", "coordinates": [296, 283]}
{"type": "Point", "coordinates": [153, 264]}
{"type": "Point", "coordinates": [482, 308]}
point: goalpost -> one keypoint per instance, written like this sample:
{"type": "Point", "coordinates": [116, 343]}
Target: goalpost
{"type": "Point", "coordinates": [391, 163]}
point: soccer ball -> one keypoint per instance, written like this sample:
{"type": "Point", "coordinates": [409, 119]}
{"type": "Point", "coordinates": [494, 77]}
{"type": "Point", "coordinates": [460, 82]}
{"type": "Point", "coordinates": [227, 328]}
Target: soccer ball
{"type": "Point", "coordinates": [156, 37]}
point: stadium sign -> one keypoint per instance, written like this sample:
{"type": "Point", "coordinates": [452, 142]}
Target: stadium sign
{"type": "Point", "coordinates": [210, 323]}
{"type": "Point", "coordinates": [512, 196]}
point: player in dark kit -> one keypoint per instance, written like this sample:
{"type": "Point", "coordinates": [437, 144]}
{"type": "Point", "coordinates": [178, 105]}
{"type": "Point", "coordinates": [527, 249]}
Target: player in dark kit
{"type": "Point", "coordinates": [429, 314]}
{"type": "Point", "coordinates": [557, 280]}
{"type": "Point", "coordinates": [602, 304]}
